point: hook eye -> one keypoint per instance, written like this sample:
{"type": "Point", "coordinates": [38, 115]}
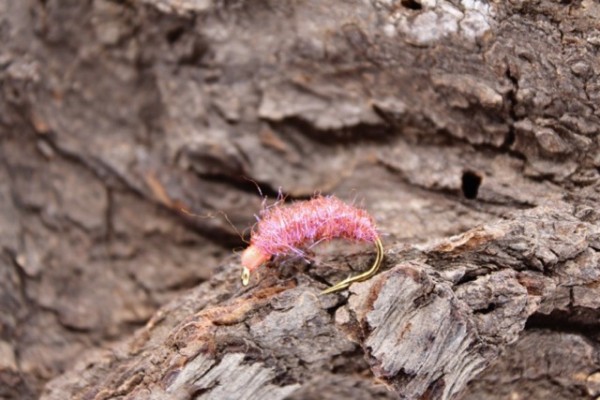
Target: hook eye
{"type": "Point", "coordinates": [245, 276]}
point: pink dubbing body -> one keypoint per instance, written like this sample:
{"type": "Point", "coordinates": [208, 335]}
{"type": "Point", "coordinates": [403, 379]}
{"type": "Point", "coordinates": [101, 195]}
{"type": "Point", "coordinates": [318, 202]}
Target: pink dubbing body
{"type": "Point", "coordinates": [284, 230]}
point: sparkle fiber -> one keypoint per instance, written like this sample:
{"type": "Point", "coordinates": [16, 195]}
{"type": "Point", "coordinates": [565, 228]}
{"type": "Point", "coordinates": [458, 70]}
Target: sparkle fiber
{"type": "Point", "coordinates": [289, 229]}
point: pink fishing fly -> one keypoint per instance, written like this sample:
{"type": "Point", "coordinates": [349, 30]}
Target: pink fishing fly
{"type": "Point", "coordinates": [291, 229]}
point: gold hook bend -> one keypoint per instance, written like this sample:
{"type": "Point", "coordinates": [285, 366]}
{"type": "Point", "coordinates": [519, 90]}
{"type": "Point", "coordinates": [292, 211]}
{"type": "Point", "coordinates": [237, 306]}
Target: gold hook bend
{"type": "Point", "coordinates": [360, 277]}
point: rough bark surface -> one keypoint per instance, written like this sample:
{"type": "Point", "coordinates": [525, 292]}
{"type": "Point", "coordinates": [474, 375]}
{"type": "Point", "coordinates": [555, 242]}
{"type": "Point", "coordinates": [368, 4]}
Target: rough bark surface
{"type": "Point", "coordinates": [469, 129]}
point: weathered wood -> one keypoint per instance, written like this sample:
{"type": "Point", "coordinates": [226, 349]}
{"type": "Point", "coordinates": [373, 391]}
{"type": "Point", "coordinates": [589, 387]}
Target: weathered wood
{"type": "Point", "coordinates": [468, 128]}
{"type": "Point", "coordinates": [438, 316]}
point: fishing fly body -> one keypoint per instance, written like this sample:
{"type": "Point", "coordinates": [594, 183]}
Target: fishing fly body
{"type": "Point", "coordinates": [290, 229]}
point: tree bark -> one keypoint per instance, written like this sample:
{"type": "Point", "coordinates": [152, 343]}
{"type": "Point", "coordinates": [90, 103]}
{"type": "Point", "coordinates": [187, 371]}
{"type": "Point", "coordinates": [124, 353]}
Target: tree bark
{"type": "Point", "coordinates": [134, 135]}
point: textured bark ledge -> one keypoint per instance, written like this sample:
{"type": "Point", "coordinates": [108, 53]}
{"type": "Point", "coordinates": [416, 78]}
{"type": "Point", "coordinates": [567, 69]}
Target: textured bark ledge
{"type": "Point", "coordinates": [440, 116]}
{"type": "Point", "coordinates": [431, 322]}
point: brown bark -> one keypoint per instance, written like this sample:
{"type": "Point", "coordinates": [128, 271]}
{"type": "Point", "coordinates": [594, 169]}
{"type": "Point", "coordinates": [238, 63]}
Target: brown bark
{"type": "Point", "coordinates": [468, 129]}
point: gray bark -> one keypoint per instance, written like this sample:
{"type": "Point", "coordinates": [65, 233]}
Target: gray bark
{"type": "Point", "coordinates": [469, 129]}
